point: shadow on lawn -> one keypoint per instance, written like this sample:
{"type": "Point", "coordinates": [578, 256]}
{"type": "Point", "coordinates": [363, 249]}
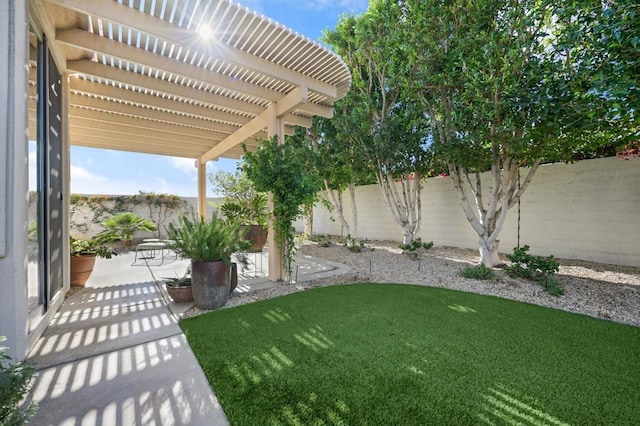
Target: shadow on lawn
{"type": "Point", "coordinates": [312, 411]}
{"type": "Point", "coordinates": [250, 373]}
{"type": "Point", "coordinates": [502, 404]}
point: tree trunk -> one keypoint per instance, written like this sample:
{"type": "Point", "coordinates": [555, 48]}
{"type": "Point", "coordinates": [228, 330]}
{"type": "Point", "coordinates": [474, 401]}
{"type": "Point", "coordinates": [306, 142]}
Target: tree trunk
{"type": "Point", "coordinates": [406, 207]}
{"type": "Point", "coordinates": [354, 209]}
{"type": "Point", "coordinates": [308, 222]}
{"type": "Point", "coordinates": [334, 197]}
{"type": "Point", "coordinates": [489, 253]}
{"type": "Point", "coordinates": [488, 220]}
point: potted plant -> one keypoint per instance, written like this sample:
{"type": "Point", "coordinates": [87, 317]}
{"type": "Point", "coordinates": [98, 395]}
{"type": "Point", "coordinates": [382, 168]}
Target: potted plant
{"type": "Point", "coordinates": [83, 257]}
{"type": "Point", "coordinates": [179, 288]}
{"type": "Point", "coordinates": [124, 225]}
{"type": "Point", "coordinates": [209, 244]}
{"type": "Point", "coordinates": [252, 215]}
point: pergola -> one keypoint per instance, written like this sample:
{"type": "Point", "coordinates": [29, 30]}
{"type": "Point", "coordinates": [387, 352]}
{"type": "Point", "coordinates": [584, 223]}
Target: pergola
{"type": "Point", "coordinates": [142, 78]}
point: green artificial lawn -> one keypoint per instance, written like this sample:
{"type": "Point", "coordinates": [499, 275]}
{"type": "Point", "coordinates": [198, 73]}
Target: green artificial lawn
{"type": "Point", "coordinates": [375, 354]}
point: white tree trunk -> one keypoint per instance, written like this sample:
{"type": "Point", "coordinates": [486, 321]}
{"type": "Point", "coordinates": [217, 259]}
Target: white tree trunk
{"type": "Point", "coordinates": [308, 222]}
{"type": "Point", "coordinates": [405, 207]}
{"type": "Point", "coordinates": [354, 209]}
{"type": "Point", "coordinates": [334, 198]}
{"type": "Point", "coordinates": [488, 220]}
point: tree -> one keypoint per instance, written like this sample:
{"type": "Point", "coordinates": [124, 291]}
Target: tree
{"type": "Point", "coordinates": [281, 170]}
{"type": "Point", "coordinates": [497, 97]}
{"type": "Point", "coordinates": [601, 40]}
{"type": "Point", "coordinates": [337, 158]}
{"type": "Point", "coordinates": [386, 124]}
{"type": "Point", "coordinates": [233, 186]}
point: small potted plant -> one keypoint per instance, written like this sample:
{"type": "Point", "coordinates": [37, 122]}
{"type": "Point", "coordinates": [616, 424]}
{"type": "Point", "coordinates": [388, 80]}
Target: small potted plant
{"type": "Point", "coordinates": [179, 288]}
{"type": "Point", "coordinates": [209, 244]}
{"type": "Point", "coordinates": [83, 257]}
{"type": "Point", "coordinates": [252, 216]}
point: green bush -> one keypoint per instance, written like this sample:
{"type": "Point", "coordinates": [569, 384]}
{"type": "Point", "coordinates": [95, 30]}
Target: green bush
{"type": "Point", "coordinates": [537, 268]}
{"type": "Point", "coordinates": [479, 272]}
{"type": "Point", "coordinates": [15, 382]}
{"type": "Point", "coordinates": [415, 247]}
{"type": "Point", "coordinates": [124, 225]}
{"type": "Point", "coordinates": [354, 245]}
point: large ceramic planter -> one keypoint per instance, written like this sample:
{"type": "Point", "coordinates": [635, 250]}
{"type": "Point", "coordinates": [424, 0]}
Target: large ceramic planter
{"type": "Point", "coordinates": [257, 235]}
{"type": "Point", "coordinates": [180, 294]}
{"type": "Point", "coordinates": [80, 268]}
{"type": "Point", "coordinates": [210, 284]}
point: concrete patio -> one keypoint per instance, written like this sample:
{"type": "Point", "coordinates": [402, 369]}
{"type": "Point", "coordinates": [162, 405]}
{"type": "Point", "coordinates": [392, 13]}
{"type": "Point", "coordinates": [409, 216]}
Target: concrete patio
{"type": "Point", "coordinates": [115, 355]}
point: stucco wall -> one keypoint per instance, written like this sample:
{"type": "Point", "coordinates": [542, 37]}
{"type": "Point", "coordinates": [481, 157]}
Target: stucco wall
{"type": "Point", "coordinates": [82, 216]}
{"type": "Point", "coordinates": [588, 210]}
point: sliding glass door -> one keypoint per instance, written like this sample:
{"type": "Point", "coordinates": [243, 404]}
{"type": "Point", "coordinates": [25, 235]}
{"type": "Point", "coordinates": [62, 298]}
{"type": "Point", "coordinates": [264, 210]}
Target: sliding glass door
{"type": "Point", "coordinates": [45, 240]}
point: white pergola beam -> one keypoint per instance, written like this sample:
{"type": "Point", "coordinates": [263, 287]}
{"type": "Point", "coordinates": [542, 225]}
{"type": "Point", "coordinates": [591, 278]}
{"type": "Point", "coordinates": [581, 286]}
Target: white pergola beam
{"type": "Point", "coordinates": [117, 93]}
{"type": "Point", "coordinates": [161, 29]}
{"type": "Point", "coordinates": [296, 120]}
{"type": "Point", "coordinates": [141, 123]}
{"type": "Point", "coordinates": [286, 105]}
{"type": "Point", "coordinates": [80, 39]}
{"type": "Point", "coordinates": [93, 141]}
{"type": "Point", "coordinates": [99, 70]}
{"type": "Point", "coordinates": [148, 113]}
{"type": "Point", "coordinates": [98, 127]}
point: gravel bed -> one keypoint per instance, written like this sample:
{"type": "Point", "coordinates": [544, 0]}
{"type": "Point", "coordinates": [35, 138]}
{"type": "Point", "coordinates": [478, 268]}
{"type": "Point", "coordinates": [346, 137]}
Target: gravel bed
{"type": "Point", "coordinates": [604, 291]}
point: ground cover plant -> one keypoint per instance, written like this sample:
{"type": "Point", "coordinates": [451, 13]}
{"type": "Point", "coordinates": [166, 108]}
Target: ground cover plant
{"type": "Point", "coordinates": [412, 355]}
{"type": "Point", "coordinates": [537, 268]}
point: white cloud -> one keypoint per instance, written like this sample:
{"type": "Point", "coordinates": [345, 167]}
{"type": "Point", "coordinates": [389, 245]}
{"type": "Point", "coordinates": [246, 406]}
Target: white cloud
{"type": "Point", "coordinates": [84, 181]}
{"type": "Point", "coordinates": [186, 165]}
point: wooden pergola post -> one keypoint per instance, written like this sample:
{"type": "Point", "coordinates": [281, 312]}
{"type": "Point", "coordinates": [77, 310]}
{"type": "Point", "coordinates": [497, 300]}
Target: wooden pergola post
{"type": "Point", "coordinates": [275, 127]}
{"type": "Point", "coordinates": [202, 187]}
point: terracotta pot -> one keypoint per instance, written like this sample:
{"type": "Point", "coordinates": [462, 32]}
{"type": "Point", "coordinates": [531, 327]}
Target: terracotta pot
{"type": "Point", "coordinates": [257, 235]}
{"type": "Point", "coordinates": [210, 284]}
{"type": "Point", "coordinates": [180, 294]}
{"type": "Point", "coordinates": [80, 268]}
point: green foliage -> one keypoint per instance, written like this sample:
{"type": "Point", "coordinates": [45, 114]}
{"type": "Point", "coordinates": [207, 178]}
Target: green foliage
{"type": "Point", "coordinates": [281, 169]}
{"type": "Point", "coordinates": [160, 206]}
{"type": "Point", "coordinates": [322, 240]}
{"type": "Point", "coordinates": [386, 354]}
{"type": "Point", "coordinates": [537, 268]}
{"type": "Point", "coordinates": [95, 246]}
{"type": "Point", "coordinates": [182, 281]}
{"type": "Point", "coordinates": [102, 207]}
{"type": "Point", "coordinates": [15, 382]}
{"type": "Point", "coordinates": [416, 247]}
{"type": "Point", "coordinates": [354, 245]}
{"type": "Point", "coordinates": [602, 40]}
{"type": "Point", "coordinates": [233, 186]}
{"type": "Point", "coordinates": [247, 211]}
{"type": "Point", "coordinates": [478, 272]}
{"type": "Point", "coordinates": [379, 120]}
{"type": "Point", "coordinates": [124, 225]}
{"type": "Point", "coordinates": [204, 240]}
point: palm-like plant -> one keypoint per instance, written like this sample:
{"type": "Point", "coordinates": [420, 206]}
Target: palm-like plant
{"type": "Point", "coordinates": [204, 240]}
{"type": "Point", "coordinates": [248, 212]}
{"type": "Point", "coordinates": [124, 225]}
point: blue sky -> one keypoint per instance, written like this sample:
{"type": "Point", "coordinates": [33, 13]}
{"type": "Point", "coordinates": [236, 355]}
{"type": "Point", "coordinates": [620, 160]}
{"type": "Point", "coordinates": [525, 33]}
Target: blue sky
{"type": "Point", "coordinates": [97, 171]}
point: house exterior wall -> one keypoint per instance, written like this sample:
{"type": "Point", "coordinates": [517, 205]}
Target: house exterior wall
{"type": "Point", "coordinates": [586, 210]}
{"type": "Point", "coordinates": [13, 176]}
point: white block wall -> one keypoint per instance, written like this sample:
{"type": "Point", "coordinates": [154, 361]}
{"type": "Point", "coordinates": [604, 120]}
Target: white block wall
{"type": "Point", "coordinates": [589, 210]}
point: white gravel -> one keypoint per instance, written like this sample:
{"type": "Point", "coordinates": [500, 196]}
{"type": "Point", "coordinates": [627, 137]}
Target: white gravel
{"type": "Point", "coordinates": [604, 291]}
